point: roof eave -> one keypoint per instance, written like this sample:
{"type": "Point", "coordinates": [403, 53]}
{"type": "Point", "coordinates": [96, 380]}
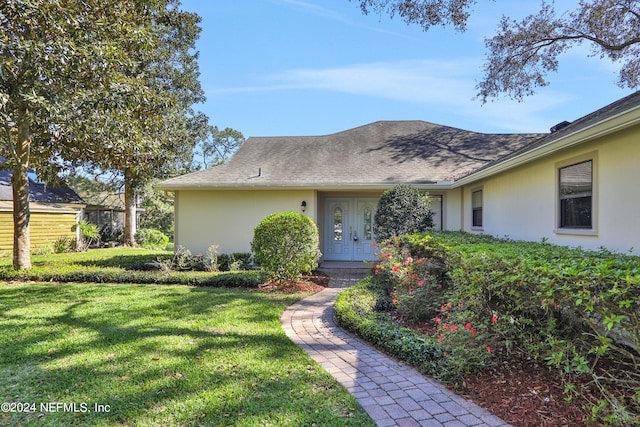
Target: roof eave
{"type": "Point", "coordinates": [607, 126]}
{"type": "Point", "coordinates": [441, 185]}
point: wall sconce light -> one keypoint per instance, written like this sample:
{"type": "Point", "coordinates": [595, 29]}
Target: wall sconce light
{"type": "Point", "coordinates": [303, 205]}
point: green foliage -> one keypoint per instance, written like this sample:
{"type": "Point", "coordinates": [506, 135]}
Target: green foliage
{"type": "Point", "coordinates": [64, 244]}
{"type": "Point", "coordinates": [126, 265]}
{"type": "Point", "coordinates": [218, 146]}
{"type": "Point", "coordinates": [285, 245]}
{"type": "Point", "coordinates": [416, 285]}
{"type": "Point", "coordinates": [401, 210]}
{"type": "Point", "coordinates": [572, 308]}
{"type": "Point", "coordinates": [355, 310]}
{"type": "Point", "coordinates": [158, 212]}
{"type": "Point", "coordinates": [150, 238]}
{"type": "Point", "coordinates": [523, 52]}
{"type": "Point", "coordinates": [89, 235]}
{"type": "Point", "coordinates": [234, 261]}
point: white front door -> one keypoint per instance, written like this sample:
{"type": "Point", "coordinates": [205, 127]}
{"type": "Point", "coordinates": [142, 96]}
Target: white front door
{"type": "Point", "coordinates": [349, 229]}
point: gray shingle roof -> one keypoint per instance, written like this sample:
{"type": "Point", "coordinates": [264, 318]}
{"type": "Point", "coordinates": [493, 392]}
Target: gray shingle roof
{"type": "Point", "coordinates": [379, 154]}
{"type": "Point", "coordinates": [38, 192]}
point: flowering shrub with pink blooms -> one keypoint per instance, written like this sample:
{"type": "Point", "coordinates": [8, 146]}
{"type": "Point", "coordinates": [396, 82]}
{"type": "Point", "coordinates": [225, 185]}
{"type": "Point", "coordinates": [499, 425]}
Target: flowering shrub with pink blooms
{"type": "Point", "coordinates": [569, 308]}
{"type": "Point", "coordinates": [415, 285]}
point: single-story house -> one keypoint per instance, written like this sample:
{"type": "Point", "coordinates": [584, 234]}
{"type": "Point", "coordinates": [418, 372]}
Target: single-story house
{"type": "Point", "coordinates": [575, 186]}
{"type": "Point", "coordinates": [55, 211]}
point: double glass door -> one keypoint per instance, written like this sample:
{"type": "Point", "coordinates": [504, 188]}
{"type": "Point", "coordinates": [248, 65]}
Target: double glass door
{"type": "Point", "coordinates": [349, 229]}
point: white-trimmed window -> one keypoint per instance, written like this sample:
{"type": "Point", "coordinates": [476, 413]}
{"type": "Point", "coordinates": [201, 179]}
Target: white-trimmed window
{"type": "Point", "coordinates": [576, 196]}
{"type": "Point", "coordinates": [476, 208]}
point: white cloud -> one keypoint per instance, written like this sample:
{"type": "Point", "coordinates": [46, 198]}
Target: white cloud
{"type": "Point", "coordinates": [444, 86]}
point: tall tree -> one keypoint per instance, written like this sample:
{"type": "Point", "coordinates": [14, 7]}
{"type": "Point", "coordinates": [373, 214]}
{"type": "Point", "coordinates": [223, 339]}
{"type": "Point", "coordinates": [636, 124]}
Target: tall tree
{"type": "Point", "coordinates": [218, 146]}
{"type": "Point", "coordinates": [152, 129]}
{"type": "Point", "coordinates": [521, 54]}
{"type": "Point", "coordinates": [52, 51]}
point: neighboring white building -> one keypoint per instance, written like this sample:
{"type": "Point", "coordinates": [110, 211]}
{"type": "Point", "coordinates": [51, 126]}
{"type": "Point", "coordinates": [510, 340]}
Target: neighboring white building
{"type": "Point", "coordinates": [576, 186]}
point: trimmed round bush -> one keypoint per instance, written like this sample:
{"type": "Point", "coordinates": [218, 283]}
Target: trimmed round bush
{"type": "Point", "coordinates": [151, 238]}
{"type": "Point", "coordinates": [401, 210]}
{"type": "Point", "coordinates": [285, 245]}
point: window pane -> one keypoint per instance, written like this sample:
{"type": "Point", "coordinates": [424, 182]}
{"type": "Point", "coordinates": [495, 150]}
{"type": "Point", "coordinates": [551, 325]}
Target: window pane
{"type": "Point", "coordinates": [576, 212]}
{"type": "Point", "coordinates": [476, 208]}
{"type": "Point", "coordinates": [368, 235]}
{"type": "Point", "coordinates": [576, 184]}
{"type": "Point", "coordinates": [576, 179]}
{"type": "Point", "coordinates": [477, 217]}
{"type": "Point", "coordinates": [337, 224]}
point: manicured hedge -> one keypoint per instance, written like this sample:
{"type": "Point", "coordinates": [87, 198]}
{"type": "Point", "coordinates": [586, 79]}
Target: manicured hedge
{"type": "Point", "coordinates": [540, 282]}
{"type": "Point", "coordinates": [494, 300]}
{"type": "Point", "coordinates": [356, 310]}
{"type": "Point", "coordinates": [241, 279]}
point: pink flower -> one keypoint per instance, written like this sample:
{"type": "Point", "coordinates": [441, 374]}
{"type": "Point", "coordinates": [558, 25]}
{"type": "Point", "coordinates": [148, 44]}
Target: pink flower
{"type": "Point", "coordinates": [473, 331]}
{"type": "Point", "coordinates": [467, 326]}
{"type": "Point", "coordinates": [420, 283]}
{"type": "Point", "coordinates": [396, 268]}
{"type": "Point", "coordinates": [440, 338]}
{"type": "Point", "coordinates": [438, 319]}
{"type": "Point", "coordinates": [408, 261]}
{"type": "Point", "coordinates": [453, 327]}
{"type": "Point", "coordinates": [494, 319]}
{"type": "Point", "coordinates": [489, 348]}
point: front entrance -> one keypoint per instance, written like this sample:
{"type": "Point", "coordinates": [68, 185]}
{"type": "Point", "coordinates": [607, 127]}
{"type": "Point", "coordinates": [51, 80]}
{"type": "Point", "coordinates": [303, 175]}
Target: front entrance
{"type": "Point", "coordinates": [349, 229]}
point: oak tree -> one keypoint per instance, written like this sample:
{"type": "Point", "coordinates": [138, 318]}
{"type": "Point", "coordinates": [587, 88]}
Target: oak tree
{"type": "Point", "coordinates": [522, 53]}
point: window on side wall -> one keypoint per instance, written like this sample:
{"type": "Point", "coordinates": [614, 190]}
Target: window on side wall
{"type": "Point", "coordinates": [576, 196]}
{"type": "Point", "coordinates": [476, 208]}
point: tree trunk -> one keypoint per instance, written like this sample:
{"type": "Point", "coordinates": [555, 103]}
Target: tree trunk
{"type": "Point", "coordinates": [129, 209]}
{"type": "Point", "coordinates": [21, 212]}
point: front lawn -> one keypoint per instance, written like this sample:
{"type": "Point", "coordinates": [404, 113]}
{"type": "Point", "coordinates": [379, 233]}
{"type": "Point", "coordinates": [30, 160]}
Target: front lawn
{"type": "Point", "coordinates": [123, 354]}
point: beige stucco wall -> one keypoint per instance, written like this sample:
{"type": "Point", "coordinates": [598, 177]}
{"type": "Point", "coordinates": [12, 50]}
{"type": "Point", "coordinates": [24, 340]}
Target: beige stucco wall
{"type": "Point", "coordinates": [452, 209]}
{"type": "Point", "coordinates": [227, 217]}
{"type": "Point", "coordinates": [522, 203]}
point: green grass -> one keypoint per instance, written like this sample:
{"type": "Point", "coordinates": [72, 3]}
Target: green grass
{"type": "Point", "coordinates": [165, 355]}
{"type": "Point", "coordinates": [125, 258]}
{"type": "Point", "coordinates": [120, 265]}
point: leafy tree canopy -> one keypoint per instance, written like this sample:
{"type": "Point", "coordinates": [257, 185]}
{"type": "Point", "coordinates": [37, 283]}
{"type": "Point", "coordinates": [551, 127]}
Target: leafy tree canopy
{"type": "Point", "coordinates": [522, 53]}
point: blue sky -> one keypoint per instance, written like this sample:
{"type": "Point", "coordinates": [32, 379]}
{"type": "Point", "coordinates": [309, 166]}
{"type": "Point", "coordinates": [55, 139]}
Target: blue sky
{"type": "Point", "coordinates": [316, 67]}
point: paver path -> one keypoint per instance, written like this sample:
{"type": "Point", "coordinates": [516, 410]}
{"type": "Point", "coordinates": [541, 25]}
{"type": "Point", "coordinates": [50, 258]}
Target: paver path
{"type": "Point", "coordinates": [392, 393]}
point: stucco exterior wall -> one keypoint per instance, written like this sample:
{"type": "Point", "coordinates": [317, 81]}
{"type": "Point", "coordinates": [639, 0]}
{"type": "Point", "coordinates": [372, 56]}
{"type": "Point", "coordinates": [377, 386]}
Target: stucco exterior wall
{"type": "Point", "coordinates": [227, 217]}
{"type": "Point", "coordinates": [452, 206]}
{"type": "Point", "coordinates": [522, 203]}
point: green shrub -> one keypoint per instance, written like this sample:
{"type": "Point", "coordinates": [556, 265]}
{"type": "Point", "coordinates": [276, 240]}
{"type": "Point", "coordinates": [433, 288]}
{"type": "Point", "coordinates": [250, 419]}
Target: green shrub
{"type": "Point", "coordinates": [355, 310]}
{"type": "Point", "coordinates": [239, 279]}
{"type": "Point", "coordinates": [285, 245]}
{"type": "Point", "coordinates": [89, 235]}
{"type": "Point", "coordinates": [63, 244]}
{"type": "Point", "coordinates": [415, 285]}
{"type": "Point", "coordinates": [150, 238]}
{"type": "Point", "coordinates": [234, 261]}
{"type": "Point", "coordinates": [572, 308]}
{"type": "Point", "coordinates": [401, 210]}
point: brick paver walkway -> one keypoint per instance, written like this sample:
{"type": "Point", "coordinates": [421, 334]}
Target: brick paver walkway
{"type": "Point", "coordinates": [392, 393]}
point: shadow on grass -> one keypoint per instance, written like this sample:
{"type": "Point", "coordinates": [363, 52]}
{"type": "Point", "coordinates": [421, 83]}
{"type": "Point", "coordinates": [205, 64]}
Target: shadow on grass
{"type": "Point", "coordinates": [165, 355]}
{"type": "Point", "coordinates": [127, 261]}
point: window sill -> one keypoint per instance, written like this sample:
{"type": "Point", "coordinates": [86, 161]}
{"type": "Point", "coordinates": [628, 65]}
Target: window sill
{"type": "Point", "coordinates": [477, 228]}
{"type": "Point", "coordinates": [576, 231]}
